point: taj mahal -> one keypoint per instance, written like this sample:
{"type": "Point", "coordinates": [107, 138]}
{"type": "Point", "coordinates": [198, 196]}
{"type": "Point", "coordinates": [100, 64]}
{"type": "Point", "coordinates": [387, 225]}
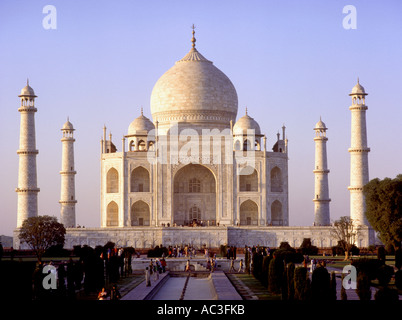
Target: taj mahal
{"type": "Point", "coordinates": [200, 172]}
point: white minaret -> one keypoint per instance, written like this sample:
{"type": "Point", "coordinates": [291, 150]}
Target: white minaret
{"type": "Point", "coordinates": [321, 198]}
{"type": "Point", "coordinates": [359, 171]}
{"type": "Point", "coordinates": [27, 178]}
{"type": "Point", "coordinates": [67, 196]}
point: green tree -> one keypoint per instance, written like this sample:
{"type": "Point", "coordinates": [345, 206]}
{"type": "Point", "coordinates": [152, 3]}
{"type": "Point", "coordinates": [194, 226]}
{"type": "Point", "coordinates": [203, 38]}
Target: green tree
{"type": "Point", "coordinates": [384, 293]}
{"type": "Point", "coordinates": [321, 284]}
{"type": "Point", "coordinates": [363, 288]}
{"type": "Point", "coordinates": [384, 208]}
{"type": "Point", "coordinates": [346, 232]}
{"type": "Point", "coordinates": [275, 275]}
{"type": "Point", "coordinates": [302, 284]}
{"type": "Point", "coordinates": [42, 232]}
{"type": "Point", "coordinates": [291, 281]}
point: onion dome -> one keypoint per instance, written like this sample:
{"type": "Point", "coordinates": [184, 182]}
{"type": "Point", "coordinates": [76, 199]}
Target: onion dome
{"type": "Point", "coordinates": [196, 92]}
{"type": "Point", "coordinates": [140, 125]}
{"type": "Point", "coordinates": [246, 123]}
{"type": "Point", "coordinates": [27, 91]}
{"type": "Point", "coordinates": [358, 89]}
{"type": "Point", "coordinates": [320, 125]}
{"type": "Point", "coordinates": [68, 126]}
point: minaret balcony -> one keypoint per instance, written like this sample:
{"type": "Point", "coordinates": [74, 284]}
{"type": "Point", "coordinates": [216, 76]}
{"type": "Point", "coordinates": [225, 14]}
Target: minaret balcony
{"type": "Point", "coordinates": [68, 172]}
{"type": "Point", "coordinates": [25, 151]}
{"type": "Point", "coordinates": [27, 109]}
{"type": "Point", "coordinates": [27, 190]}
{"type": "Point", "coordinates": [364, 149]}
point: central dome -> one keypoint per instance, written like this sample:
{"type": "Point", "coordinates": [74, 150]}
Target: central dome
{"type": "Point", "coordinates": [196, 93]}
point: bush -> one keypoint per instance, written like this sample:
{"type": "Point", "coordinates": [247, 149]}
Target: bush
{"type": "Point", "coordinates": [338, 250]}
{"type": "Point", "coordinates": [265, 269]}
{"type": "Point", "coordinates": [290, 270]}
{"type": "Point", "coordinates": [384, 275]}
{"type": "Point", "coordinates": [257, 265]}
{"type": "Point", "coordinates": [381, 254]}
{"type": "Point", "coordinates": [386, 294]}
{"type": "Point", "coordinates": [302, 284]}
{"type": "Point", "coordinates": [307, 248]}
{"type": "Point", "coordinates": [363, 288]}
{"type": "Point", "coordinates": [57, 251]}
{"type": "Point", "coordinates": [288, 255]}
{"type": "Point", "coordinates": [157, 252]}
{"type": "Point", "coordinates": [368, 266]}
{"type": "Point", "coordinates": [275, 275]}
{"type": "Point", "coordinates": [320, 284]}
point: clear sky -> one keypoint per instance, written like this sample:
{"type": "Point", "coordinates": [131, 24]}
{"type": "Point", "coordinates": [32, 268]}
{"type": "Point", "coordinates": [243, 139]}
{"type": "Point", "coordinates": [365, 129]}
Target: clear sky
{"type": "Point", "coordinates": [290, 61]}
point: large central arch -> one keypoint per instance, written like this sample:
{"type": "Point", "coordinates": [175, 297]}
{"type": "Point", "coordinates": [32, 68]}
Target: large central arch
{"type": "Point", "coordinates": [194, 197]}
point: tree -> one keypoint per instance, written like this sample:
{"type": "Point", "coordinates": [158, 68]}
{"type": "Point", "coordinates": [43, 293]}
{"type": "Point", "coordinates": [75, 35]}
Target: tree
{"type": "Point", "coordinates": [42, 232]}
{"type": "Point", "coordinates": [363, 288]}
{"type": "Point", "coordinates": [275, 275]}
{"type": "Point", "coordinates": [384, 208]}
{"type": "Point", "coordinates": [302, 284]}
{"type": "Point", "coordinates": [346, 232]}
{"type": "Point", "coordinates": [384, 293]}
{"type": "Point", "coordinates": [321, 284]}
{"type": "Point", "coordinates": [307, 248]}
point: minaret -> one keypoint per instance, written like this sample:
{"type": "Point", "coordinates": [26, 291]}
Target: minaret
{"type": "Point", "coordinates": [27, 178]}
{"type": "Point", "coordinates": [359, 171]}
{"type": "Point", "coordinates": [321, 199]}
{"type": "Point", "coordinates": [67, 196]}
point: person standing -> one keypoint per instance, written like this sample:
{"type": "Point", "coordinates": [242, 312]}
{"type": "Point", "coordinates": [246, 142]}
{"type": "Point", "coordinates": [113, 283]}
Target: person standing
{"type": "Point", "coordinates": [241, 265]}
{"type": "Point", "coordinates": [147, 277]}
{"type": "Point", "coordinates": [232, 265]}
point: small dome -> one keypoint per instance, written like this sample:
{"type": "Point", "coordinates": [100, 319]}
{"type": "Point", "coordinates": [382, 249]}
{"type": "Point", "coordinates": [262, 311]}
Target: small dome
{"type": "Point", "coordinates": [246, 123]}
{"type": "Point", "coordinates": [320, 125]}
{"type": "Point", "coordinates": [68, 126]}
{"type": "Point", "coordinates": [140, 125]}
{"type": "Point", "coordinates": [27, 91]}
{"type": "Point", "coordinates": [358, 89]}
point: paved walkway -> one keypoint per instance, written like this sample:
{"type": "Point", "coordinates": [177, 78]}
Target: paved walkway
{"type": "Point", "coordinates": [217, 286]}
{"type": "Point", "coordinates": [141, 291]}
{"type": "Point", "coordinates": [223, 287]}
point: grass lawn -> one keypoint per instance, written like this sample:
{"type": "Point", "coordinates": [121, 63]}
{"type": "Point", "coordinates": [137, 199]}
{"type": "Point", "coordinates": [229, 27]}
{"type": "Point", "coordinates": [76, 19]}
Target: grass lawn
{"type": "Point", "coordinates": [250, 288]}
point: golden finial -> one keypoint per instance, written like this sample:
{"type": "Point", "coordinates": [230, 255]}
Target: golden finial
{"type": "Point", "coordinates": [193, 38]}
{"type": "Point", "coordinates": [246, 112]}
{"type": "Point", "coordinates": [142, 111]}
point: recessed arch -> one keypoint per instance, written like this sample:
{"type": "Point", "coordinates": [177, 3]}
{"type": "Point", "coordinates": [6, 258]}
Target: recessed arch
{"type": "Point", "coordinates": [112, 181]}
{"type": "Point", "coordinates": [140, 214]}
{"type": "Point", "coordinates": [277, 213]}
{"type": "Point", "coordinates": [276, 180]}
{"type": "Point", "coordinates": [139, 180]}
{"type": "Point", "coordinates": [248, 213]}
{"type": "Point", "coordinates": [112, 214]}
{"type": "Point", "coordinates": [248, 180]}
{"type": "Point", "coordinates": [194, 185]}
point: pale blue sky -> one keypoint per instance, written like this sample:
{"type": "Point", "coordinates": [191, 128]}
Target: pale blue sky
{"type": "Point", "coordinates": [290, 61]}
